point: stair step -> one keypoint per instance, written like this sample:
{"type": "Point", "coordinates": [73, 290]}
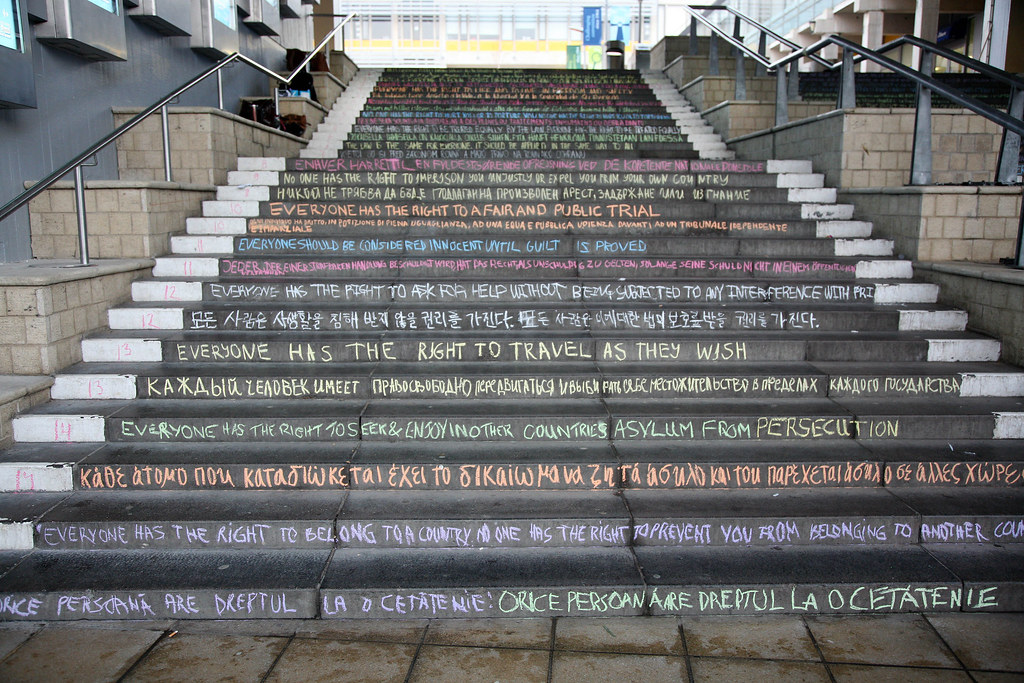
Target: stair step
{"type": "Point", "coordinates": [136, 347]}
{"type": "Point", "coordinates": [614, 419]}
{"type": "Point", "coordinates": [509, 317]}
{"type": "Point", "coordinates": [495, 519]}
{"type": "Point", "coordinates": [277, 268]}
{"type": "Point", "coordinates": [576, 380]}
{"type": "Point", "coordinates": [465, 466]}
{"type": "Point", "coordinates": [495, 345]}
{"type": "Point", "coordinates": [439, 583]}
{"type": "Point", "coordinates": [588, 290]}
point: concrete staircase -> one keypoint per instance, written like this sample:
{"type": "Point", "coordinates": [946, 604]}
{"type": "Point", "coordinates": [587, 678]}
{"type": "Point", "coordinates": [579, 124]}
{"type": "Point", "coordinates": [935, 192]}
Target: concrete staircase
{"type": "Point", "coordinates": [520, 347]}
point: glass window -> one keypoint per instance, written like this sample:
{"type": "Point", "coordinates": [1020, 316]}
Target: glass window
{"type": "Point", "coordinates": [380, 27]}
{"type": "Point", "coordinates": [9, 33]}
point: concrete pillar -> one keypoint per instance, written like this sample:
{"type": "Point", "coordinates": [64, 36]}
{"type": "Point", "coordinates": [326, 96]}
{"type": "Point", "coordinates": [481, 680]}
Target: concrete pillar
{"type": "Point", "coordinates": [926, 24]}
{"type": "Point", "coordinates": [995, 33]}
{"type": "Point", "coordinates": [872, 36]}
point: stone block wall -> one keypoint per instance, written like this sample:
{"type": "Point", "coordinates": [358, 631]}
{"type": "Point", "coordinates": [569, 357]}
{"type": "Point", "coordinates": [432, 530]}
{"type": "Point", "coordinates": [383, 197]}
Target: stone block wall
{"type": "Point", "coordinates": [944, 223]}
{"type": "Point", "coordinates": [668, 49]}
{"type": "Point", "coordinates": [858, 148]}
{"type": "Point", "coordinates": [18, 394]}
{"type": "Point", "coordinates": [49, 309]}
{"type": "Point", "coordinates": [124, 219]}
{"type": "Point", "coordinates": [341, 66]}
{"type": "Point", "coordinates": [205, 144]}
{"type": "Point", "coordinates": [707, 91]}
{"type": "Point", "coordinates": [738, 118]}
{"type": "Point", "coordinates": [328, 88]}
{"type": "Point", "coordinates": [993, 297]}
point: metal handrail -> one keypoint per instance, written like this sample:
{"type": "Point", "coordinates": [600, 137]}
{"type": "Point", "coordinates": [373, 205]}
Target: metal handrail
{"type": "Point", "coordinates": [1012, 121]}
{"type": "Point", "coordinates": [76, 162]}
{"type": "Point", "coordinates": [695, 11]}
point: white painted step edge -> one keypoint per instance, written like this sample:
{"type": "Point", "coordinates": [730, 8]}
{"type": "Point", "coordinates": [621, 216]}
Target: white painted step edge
{"type": "Point", "coordinates": [963, 350]}
{"type": "Point", "coordinates": [178, 266]}
{"type": "Point", "coordinates": [933, 321]}
{"type": "Point", "coordinates": [261, 163]}
{"type": "Point", "coordinates": [1008, 426]}
{"type": "Point", "coordinates": [991, 384]}
{"type": "Point", "coordinates": [148, 291]}
{"type": "Point", "coordinates": [232, 209]}
{"type": "Point", "coordinates": [885, 270]}
{"type": "Point", "coordinates": [122, 350]}
{"type": "Point", "coordinates": [858, 247]}
{"type": "Point", "coordinates": [800, 166]}
{"type": "Point", "coordinates": [252, 193]}
{"type": "Point", "coordinates": [202, 244]}
{"type": "Point", "coordinates": [254, 178]}
{"type": "Point", "coordinates": [159, 318]}
{"type": "Point", "coordinates": [25, 477]}
{"type": "Point", "coordinates": [216, 226]}
{"type": "Point", "coordinates": [906, 293]}
{"type": "Point", "coordinates": [59, 429]}
{"type": "Point", "coordinates": [93, 387]}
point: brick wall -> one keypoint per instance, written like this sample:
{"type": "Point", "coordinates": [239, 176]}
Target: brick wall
{"type": "Point", "coordinates": [124, 219]}
{"type": "Point", "coordinates": [991, 295]}
{"type": "Point", "coordinates": [943, 223]}
{"type": "Point", "coordinates": [205, 145]}
{"type": "Point", "coordinates": [874, 146]}
{"type": "Point", "coordinates": [49, 309]}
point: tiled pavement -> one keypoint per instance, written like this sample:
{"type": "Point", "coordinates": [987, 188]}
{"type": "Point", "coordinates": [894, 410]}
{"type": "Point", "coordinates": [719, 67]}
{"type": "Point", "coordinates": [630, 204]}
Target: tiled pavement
{"type": "Point", "coordinates": [943, 647]}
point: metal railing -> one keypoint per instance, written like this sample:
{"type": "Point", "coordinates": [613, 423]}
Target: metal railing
{"type": "Point", "coordinates": [1011, 121]}
{"type": "Point", "coordinates": [76, 163]}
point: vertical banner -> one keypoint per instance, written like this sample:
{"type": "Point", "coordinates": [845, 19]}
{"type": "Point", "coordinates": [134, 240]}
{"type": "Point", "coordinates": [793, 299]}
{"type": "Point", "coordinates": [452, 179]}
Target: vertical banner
{"type": "Point", "coordinates": [592, 28]}
{"type": "Point", "coordinates": [618, 23]}
{"type": "Point", "coordinates": [573, 57]}
{"type": "Point", "coordinates": [593, 57]}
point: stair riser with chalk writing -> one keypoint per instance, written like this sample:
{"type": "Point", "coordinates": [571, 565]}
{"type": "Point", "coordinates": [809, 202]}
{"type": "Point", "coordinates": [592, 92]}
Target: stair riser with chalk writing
{"type": "Point", "coordinates": [521, 343]}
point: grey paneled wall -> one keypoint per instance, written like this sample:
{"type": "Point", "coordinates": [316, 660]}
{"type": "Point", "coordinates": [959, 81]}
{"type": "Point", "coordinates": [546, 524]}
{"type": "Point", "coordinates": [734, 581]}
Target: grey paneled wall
{"type": "Point", "coordinates": [74, 101]}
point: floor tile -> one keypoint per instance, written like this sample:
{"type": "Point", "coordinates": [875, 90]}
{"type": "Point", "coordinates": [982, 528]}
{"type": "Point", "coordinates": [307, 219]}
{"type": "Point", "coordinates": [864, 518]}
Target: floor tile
{"type": "Point", "coordinates": [208, 657]}
{"type": "Point", "coordinates": [714, 669]}
{"type": "Point", "coordinates": [68, 653]}
{"type": "Point", "coordinates": [767, 637]}
{"type": "Point", "coordinates": [13, 635]}
{"type": "Point", "coordinates": [473, 664]}
{"type": "Point", "coordinates": [899, 639]}
{"type": "Point", "coordinates": [638, 635]}
{"type": "Point", "coordinates": [380, 630]}
{"type": "Point", "coordinates": [573, 667]}
{"type": "Point", "coordinates": [312, 661]}
{"type": "Point", "coordinates": [997, 677]}
{"type": "Point", "coordinates": [274, 628]}
{"type": "Point", "coordinates": [991, 642]}
{"type": "Point", "coordinates": [855, 673]}
{"type": "Point", "coordinates": [525, 633]}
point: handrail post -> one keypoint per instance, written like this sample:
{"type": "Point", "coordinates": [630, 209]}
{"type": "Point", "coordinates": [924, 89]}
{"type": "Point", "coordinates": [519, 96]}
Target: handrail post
{"type": "Point", "coordinates": [713, 55]}
{"type": "Point", "coordinates": [83, 234]}
{"type": "Point", "coordinates": [1019, 258]}
{"type": "Point", "coordinates": [781, 97]}
{"type": "Point", "coordinates": [847, 83]}
{"type": "Point", "coordinates": [921, 159]}
{"type": "Point", "coordinates": [793, 91]}
{"type": "Point", "coordinates": [220, 90]}
{"type": "Point", "coordinates": [1009, 152]}
{"type": "Point", "coordinates": [166, 133]}
{"type": "Point", "coordinates": [694, 49]}
{"type": "Point", "coordinates": [740, 90]}
{"type": "Point", "coordinates": [762, 48]}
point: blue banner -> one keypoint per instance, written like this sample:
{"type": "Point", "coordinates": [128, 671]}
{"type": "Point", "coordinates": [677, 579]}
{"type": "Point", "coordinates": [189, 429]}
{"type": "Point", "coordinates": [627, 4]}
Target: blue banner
{"type": "Point", "coordinates": [592, 27]}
